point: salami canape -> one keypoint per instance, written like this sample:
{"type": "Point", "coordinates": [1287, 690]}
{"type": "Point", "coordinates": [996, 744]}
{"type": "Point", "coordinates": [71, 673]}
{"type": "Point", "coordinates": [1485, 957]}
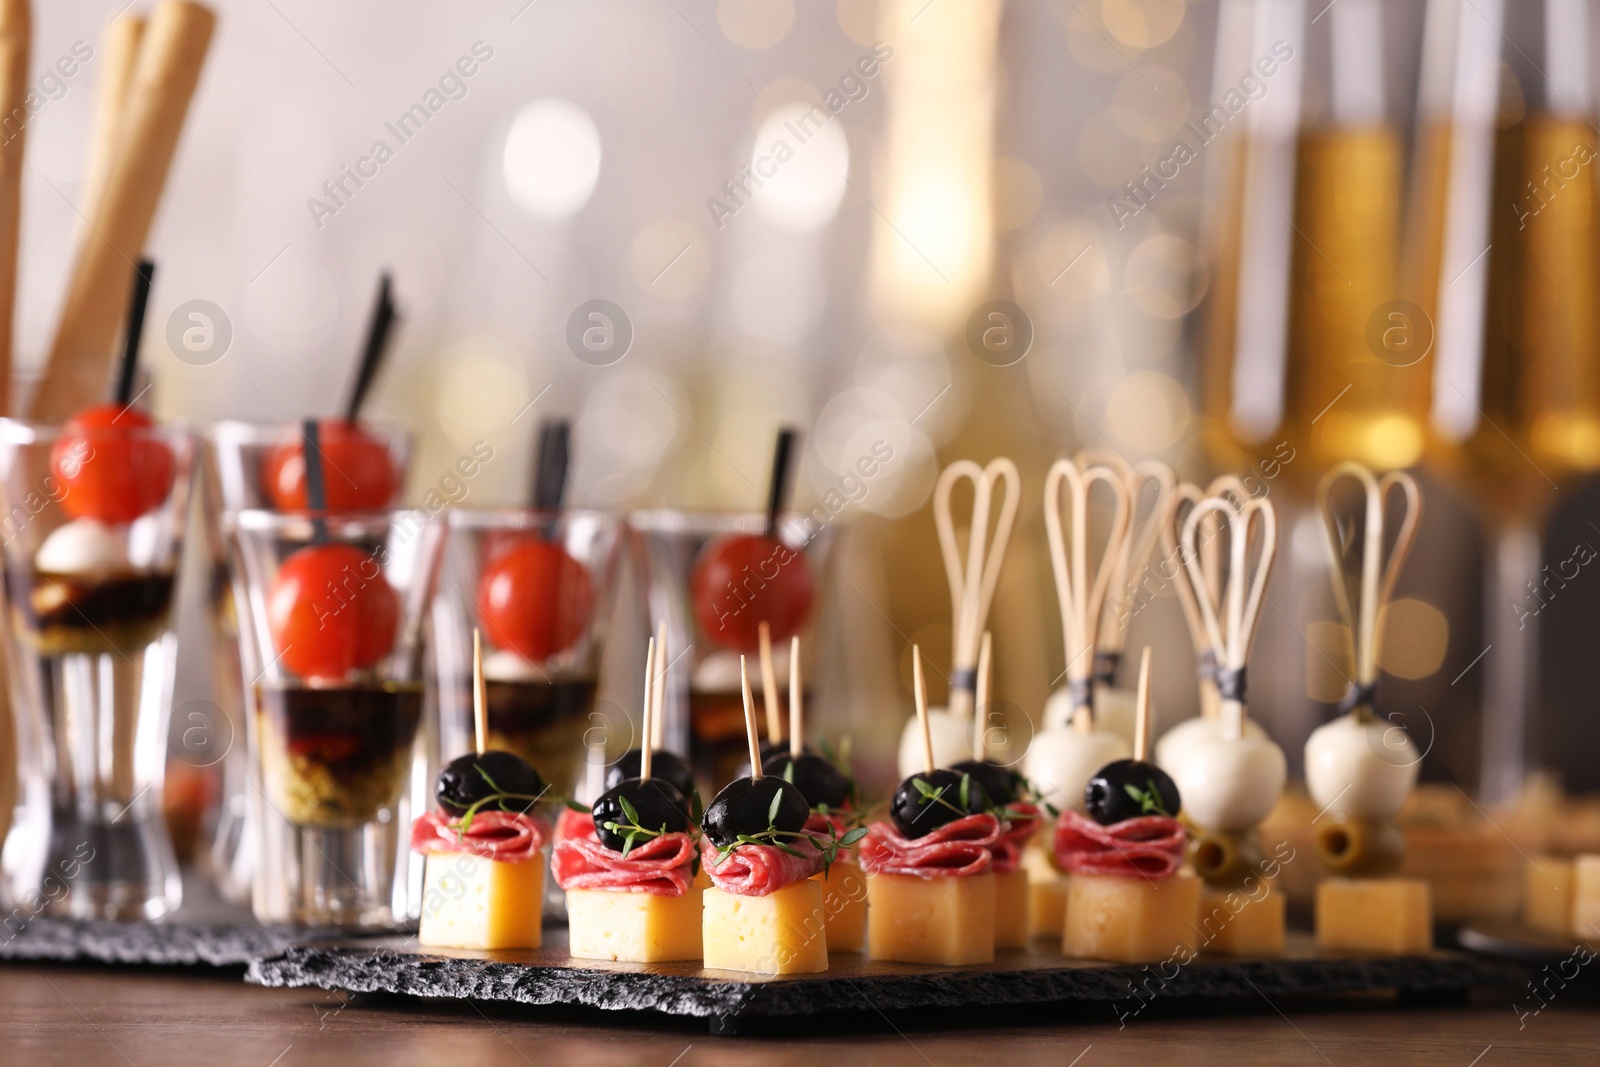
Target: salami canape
{"type": "Point", "coordinates": [629, 867]}
{"type": "Point", "coordinates": [1128, 898]}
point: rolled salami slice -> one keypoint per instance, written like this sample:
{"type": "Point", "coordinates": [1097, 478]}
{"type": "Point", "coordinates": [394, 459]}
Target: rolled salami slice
{"type": "Point", "coordinates": [573, 824]}
{"type": "Point", "coordinates": [508, 837]}
{"type": "Point", "coordinates": [756, 870]}
{"type": "Point", "coordinates": [952, 850]}
{"type": "Point", "coordinates": [1150, 846]}
{"type": "Point", "coordinates": [661, 866]}
{"type": "Point", "coordinates": [1022, 821]}
{"type": "Point", "coordinates": [819, 823]}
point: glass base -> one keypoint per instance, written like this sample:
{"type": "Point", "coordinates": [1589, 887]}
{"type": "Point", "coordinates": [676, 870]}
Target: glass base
{"type": "Point", "coordinates": [110, 868]}
{"type": "Point", "coordinates": [341, 878]}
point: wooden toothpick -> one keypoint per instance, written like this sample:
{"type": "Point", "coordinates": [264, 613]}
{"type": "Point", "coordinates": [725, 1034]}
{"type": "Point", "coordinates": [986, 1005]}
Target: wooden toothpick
{"type": "Point", "coordinates": [921, 693]}
{"type": "Point", "coordinates": [657, 730]}
{"type": "Point", "coordinates": [1141, 709]}
{"type": "Point", "coordinates": [649, 709]}
{"type": "Point", "coordinates": [750, 719]}
{"type": "Point", "coordinates": [769, 686]}
{"type": "Point", "coordinates": [480, 704]}
{"type": "Point", "coordinates": [796, 731]}
{"type": "Point", "coordinates": [980, 718]}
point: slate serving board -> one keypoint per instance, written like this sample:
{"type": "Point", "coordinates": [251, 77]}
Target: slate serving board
{"type": "Point", "coordinates": [733, 1001]}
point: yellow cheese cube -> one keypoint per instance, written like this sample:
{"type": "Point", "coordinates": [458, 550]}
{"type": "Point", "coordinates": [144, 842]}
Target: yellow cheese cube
{"type": "Point", "coordinates": [605, 924]}
{"type": "Point", "coordinates": [946, 919]}
{"type": "Point", "coordinates": [1380, 916]}
{"type": "Point", "coordinates": [1547, 894]}
{"type": "Point", "coordinates": [1236, 923]}
{"type": "Point", "coordinates": [844, 902]}
{"type": "Point", "coordinates": [1047, 894]}
{"type": "Point", "coordinates": [1131, 920]}
{"type": "Point", "coordinates": [472, 902]}
{"type": "Point", "coordinates": [1011, 901]}
{"type": "Point", "coordinates": [781, 933]}
{"type": "Point", "coordinates": [1586, 896]}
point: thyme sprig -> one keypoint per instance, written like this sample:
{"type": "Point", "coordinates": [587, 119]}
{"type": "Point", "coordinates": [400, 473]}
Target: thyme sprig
{"type": "Point", "coordinates": [1148, 799]}
{"type": "Point", "coordinates": [499, 798]}
{"type": "Point", "coordinates": [830, 846]}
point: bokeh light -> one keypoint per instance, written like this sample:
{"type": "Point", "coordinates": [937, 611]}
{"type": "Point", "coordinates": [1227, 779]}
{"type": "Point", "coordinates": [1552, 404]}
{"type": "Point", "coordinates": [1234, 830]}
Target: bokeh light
{"type": "Point", "coordinates": [552, 159]}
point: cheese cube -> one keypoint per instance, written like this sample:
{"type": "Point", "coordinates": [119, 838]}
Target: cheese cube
{"type": "Point", "coordinates": [844, 901]}
{"type": "Point", "coordinates": [1011, 899]}
{"type": "Point", "coordinates": [1586, 897]}
{"type": "Point", "coordinates": [944, 919]}
{"type": "Point", "coordinates": [1547, 894]}
{"type": "Point", "coordinates": [472, 902]}
{"type": "Point", "coordinates": [605, 924]}
{"type": "Point", "coordinates": [781, 933]}
{"type": "Point", "coordinates": [1131, 920]}
{"type": "Point", "coordinates": [1047, 894]}
{"type": "Point", "coordinates": [1377, 916]}
{"type": "Point", "coordinates": [1236, 923]}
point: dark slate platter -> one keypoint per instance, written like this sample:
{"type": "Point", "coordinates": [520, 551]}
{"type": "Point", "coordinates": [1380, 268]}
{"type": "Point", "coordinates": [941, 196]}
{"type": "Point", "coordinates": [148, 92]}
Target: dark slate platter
{"type": "Point", "coordinates": [1510, 939]}
{"type": "Point", "coordinates": [732, 1000]}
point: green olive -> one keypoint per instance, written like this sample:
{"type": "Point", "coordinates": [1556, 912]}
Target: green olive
{"type": "Point", "coordinates": [1225, 858]}
{"type": "Point", "coordinates": [1360, 847]}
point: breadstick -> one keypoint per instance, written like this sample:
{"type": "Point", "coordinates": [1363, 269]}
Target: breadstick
{"type": "Point", "coordinates": [16, 33]}
{"type": "Point", "coordinates": [119, 50]}
{"type": "Point", "coordinates": [163, 82]}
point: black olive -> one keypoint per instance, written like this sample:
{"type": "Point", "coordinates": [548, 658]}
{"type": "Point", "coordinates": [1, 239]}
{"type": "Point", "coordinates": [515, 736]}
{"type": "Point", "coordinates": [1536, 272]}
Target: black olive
{"type": "Point", "coordinates": [1002, 784]}
{"type": "Point", "coordinates": [770, 750]}
{"type": "Point", "coordinates": [745, 807]}
{"type": "Point", "coordinates": [668, 766]}
{"type": "Point", "coordinates": [474, 777]}
{"type": "Point", "coordinates": [925, 802]}
{"type": "Point", "coordinates": [1127, 789]}
{"type": "Point", "coordinates": [817, 779]}
{"type": "Point", "coordinates": [657, 802]}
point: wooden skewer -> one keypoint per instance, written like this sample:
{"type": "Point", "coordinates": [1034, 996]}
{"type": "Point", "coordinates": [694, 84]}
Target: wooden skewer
{"type": "Point", "coordinates": [750, 720]}
{"type": "Point", "coordinates": [646, 749]}
{"type": "Point", "coordinates": [920, 691]}
{"type": "Point", "coordinates": [769, 686]}
{"type": "Point", "coordinates": [796, 731]}
{"type": "Point", "coordinates": [16, 36]}
{"type": "Point", "coordinates": [657, 730]}
{"type": "Point", "coordinates": [163, 82]}
{"type": "Point", "coordinates": [973, 582]}
{"type": "Point", "coordinates": [1141, 709]}
{"type": "Point", "coordinates": [480, 704]}
{"type": "Point", "coordinates": [119, 51]}
{"type": "Point", "coordinates": [980, 717]}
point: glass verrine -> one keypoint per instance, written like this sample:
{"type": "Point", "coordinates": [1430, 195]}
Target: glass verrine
{"type": "Point", "coordinates": [332, 612]}
{"type": "Point", "coordinates": [94, 529]}
{"type": "Point", "coordinates": [712, 616]}
{"type": "Point", "coordinates": [539, 585]}
{"type": "Point", "coordinates": [254, 465]}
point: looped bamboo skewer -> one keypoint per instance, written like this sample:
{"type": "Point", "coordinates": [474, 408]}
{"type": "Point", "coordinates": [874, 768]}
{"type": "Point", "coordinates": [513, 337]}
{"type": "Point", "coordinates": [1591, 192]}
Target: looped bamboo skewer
{"type": "Point", "coordinates": [1138, 543]}
{"type": "Point", "coordinates": [980, 713]}
{"type": "Point", "coordinates": [1211, 563]}
{"type": "Point", "coordinates": [1079, 597]}
{"type": "Point", "coordinates": [973, 582]}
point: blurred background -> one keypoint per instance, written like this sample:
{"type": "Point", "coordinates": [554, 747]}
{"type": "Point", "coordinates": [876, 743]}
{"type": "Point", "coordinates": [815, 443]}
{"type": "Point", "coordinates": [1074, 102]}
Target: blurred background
{"type": "Point", "coordinates": [1249, 236]}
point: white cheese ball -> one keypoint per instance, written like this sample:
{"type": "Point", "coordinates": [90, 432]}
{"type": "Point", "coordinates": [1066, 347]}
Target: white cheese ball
{"type": "Point", "coordinates": [952, 742]}
{"type": "Point", "coordinates": [503, 665]}
{"type": "Point", "coordinates": [1361, 770]}
{"type": "Point", "coordinates": [1230, 784]}
{"type": "Point", "coordinates": [1185, 736]}
{"type": "Point", "coordinates": [82, 546]}
{"type": "Point", "coordinates": [1061, 761]}
{"type": "Point", "coordinates": [1113, 710]}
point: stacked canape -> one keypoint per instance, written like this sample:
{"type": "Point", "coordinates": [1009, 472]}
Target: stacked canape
{"type": "Point", "coordinates": [1128, 897]}
{"type": "Point", "coordinates": [1360, 768]}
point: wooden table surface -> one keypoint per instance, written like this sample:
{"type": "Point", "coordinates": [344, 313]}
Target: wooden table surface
{"type": "Point", "coordinates": [97, 1015]}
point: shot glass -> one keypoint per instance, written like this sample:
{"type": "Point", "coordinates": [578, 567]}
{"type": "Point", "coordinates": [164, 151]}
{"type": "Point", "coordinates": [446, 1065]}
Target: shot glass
{"type": "Point", "coordinates": [712, 578]}
{"type": "Point", "coordinates": [256, 465]}
{"type": "Point", "coordinates": [539, 586]}
{"type": "Point", "coordinates": [93, 535]}
{"type": "Point", "coordinates": [332, 611]}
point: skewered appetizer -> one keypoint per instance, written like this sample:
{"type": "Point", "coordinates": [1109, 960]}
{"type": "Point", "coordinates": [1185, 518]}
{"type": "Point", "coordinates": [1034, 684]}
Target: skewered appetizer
{"type": "Point", "coordinates": [972, 586]}
{"type": "Point", "coordinates": [764, 912]}
{"type": "Point", "coordinates": [1359, 767]}
{"type": "Point", "coordinates": [1063, 755]}
{"type": "Point", "coordinates": [930, 886]}
{"type": "Point", "coordinates": [1231, 780]}
{"type": "Point", "coordinates": [1128, 898]}
{"type": "Point", "coordinates": [629, 870]}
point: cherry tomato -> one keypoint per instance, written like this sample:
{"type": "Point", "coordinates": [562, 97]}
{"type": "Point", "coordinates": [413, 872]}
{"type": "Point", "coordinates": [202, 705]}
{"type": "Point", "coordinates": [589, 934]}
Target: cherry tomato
{"type": "Point", "coordinates": [331, 611]}
{"type": "Point", "coordinates": [356, 473]}
{"type": "Point", "coordinates": [535, 599]}
{"type": "Point", "coordinates": [110, 466]}
{"type": "Point", "coordinates": [742, 581]}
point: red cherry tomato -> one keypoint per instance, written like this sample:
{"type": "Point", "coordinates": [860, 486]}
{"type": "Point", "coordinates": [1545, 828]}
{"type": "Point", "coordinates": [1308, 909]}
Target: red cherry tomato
{"type": "Point", "coordinates": [742, 581]}
{"type": "Point", "coordinates": [331, 611]}
{"type": "Point", "coordinates": [535, 599]}
{"type": "Point", "coordinates": [111, 468]}
{"type": "Point", "coordinates": [356, 473]}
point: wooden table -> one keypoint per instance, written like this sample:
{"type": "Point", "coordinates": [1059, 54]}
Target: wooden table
{"type": "Point", "coordinates": [95, 1015]}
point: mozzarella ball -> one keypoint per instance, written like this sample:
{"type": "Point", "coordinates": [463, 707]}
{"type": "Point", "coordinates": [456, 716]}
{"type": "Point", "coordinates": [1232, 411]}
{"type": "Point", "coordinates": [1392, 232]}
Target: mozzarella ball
{"type": "Point", "coordinates": [1113, 711]}
{"type": "Point", "coordinates": [82, 546]}
{"type": "Point", "coordinates": [1060, 762]}
{"type": "Point", "coordinates": [1230, 784]}
{"type": "Point", "coordinates": [1182, 738]}
{"type": "Point", "coordinates": [952, 742]}
{"type": "Point", "coordinates": [1361, 770]}
{"type": "Point", "coordinates": [503, 665]}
